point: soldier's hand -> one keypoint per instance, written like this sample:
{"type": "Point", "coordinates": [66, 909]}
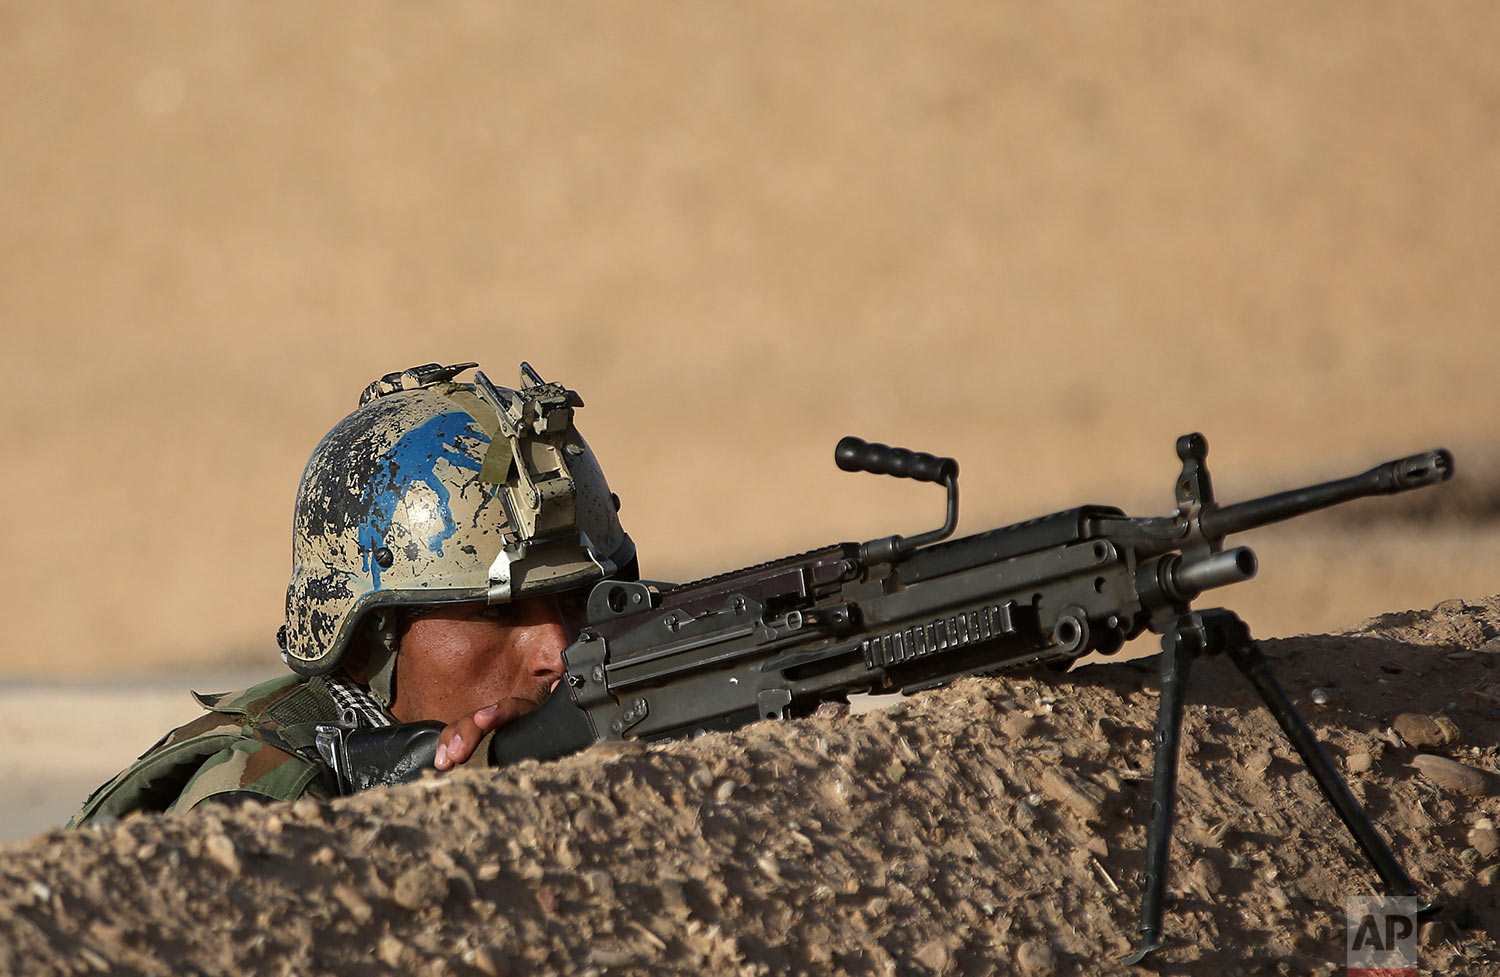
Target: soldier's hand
{"type": "Point", "coordinates": [457, 741]}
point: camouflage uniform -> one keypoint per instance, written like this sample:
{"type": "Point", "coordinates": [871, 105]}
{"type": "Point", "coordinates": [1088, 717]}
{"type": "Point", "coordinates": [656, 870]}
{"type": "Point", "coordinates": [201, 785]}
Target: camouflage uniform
{"type": "Point", "coordinates": [251, 744]}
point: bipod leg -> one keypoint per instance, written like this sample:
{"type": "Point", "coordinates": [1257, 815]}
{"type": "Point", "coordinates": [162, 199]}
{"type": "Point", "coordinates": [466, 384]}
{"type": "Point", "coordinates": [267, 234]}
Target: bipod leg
{"type": "Point", "coordinates": [1247, 656]}
{"type": "Point", "coordinates": [1179, 644]}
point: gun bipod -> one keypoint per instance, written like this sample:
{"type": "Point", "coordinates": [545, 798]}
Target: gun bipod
{"type": "Point", "coordinates": [1211, 632]}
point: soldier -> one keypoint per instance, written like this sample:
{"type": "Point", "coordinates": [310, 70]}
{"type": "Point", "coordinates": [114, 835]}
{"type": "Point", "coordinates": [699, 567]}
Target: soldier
{"type": "Point", "coordinates": [444, 539]}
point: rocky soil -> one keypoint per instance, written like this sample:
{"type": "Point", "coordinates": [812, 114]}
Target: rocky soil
{"type": "Point", "coordinates": [990, 828]}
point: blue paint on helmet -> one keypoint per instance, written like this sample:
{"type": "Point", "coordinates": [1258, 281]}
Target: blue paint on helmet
{"type": "Point", "coordinates": [410, 460]}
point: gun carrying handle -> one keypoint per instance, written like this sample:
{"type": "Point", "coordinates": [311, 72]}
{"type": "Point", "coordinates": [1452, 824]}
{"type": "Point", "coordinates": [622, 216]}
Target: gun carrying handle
{"type": "Point", "coordinates": [855, 455]}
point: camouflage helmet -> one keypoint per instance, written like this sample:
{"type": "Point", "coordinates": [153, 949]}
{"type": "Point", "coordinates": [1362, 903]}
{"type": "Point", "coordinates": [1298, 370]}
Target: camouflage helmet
{"type": "Point", "coordinates": [435, 491]}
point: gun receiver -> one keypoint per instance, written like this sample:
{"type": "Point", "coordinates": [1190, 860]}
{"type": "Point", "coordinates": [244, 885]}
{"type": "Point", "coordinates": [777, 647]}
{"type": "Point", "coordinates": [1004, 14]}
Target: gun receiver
{"type": "Point", "coordinates": [898, 614]}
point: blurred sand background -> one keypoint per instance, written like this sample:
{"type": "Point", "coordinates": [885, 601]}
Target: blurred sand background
{"type": "Point", "coordinates": [1044, 239]}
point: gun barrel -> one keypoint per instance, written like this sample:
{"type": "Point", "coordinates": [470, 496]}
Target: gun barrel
{"type": "Point", "coordinates": [1220, 570]}
{"type": "Point", "coordinates": [1400, 475]}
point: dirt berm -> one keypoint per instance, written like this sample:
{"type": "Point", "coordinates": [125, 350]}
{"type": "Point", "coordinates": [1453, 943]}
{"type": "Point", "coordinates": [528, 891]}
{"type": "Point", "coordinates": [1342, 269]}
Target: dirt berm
{"type": "Point", "coordinates": [993, 827]}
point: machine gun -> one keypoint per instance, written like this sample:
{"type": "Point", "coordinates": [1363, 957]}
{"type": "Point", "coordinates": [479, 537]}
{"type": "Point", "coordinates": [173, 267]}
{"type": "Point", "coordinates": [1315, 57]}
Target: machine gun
{"type": "Point", "coordinates": [901, 614]}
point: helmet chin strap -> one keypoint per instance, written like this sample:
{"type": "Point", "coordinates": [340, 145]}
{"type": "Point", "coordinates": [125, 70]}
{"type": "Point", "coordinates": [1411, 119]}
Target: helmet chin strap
{"type": "Point", "coordinates": [384, 628]}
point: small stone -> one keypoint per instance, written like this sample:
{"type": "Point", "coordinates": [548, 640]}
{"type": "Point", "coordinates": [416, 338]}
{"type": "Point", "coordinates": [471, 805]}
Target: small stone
{"type": "Point", "coordinates": [274, 824]}
{"type": "Point", "coordinates": [124, 843]}
{"type": "Point", "coordinates": [1205, 877]}
{"type": "Point", "coordinates": [830, 710]}
{"type": "Point", "coordinates": [1425, 731]}
{"type": "Point", "coordinates": [1451, 774]}
{"type": "Point", "coordinates": [1359, 763]}
{"type": "Point", "coordinates": [94, 959]}
{"type": "Point", "coordinates": [324, 856]}
{"type": "Point", "coordinates": [1431, 933]}
{"type": "Point", "coordinates": [724, 791]}
{"type": "Point", "coordinates": [650, 935]}
{"type": "Point", "coordinates": [701, 780]}
{"type": "Point", "coordinates": [1018, 725]}
{"type": "Point", "coordinates": [1081, 795]}
{"type": "Point", "coordinates": [1036, 959]}
{"type": "Point", "coordinates": [1319, 697]}
{"type": "Point", "coordinates": [610, 959]}
{"type": "Point", "coordinates": [1484, 838]}
{"type": "Point", "coordinates": [105, 933]}
{"type": "Point", "coordinates": [673, 896]}
{"type": "Point", "coordinates": [934, 956]}
{"type": "Point", "coordinates": [488, 872]}
{"type": "Point", "coordinates": [1277, 897]}
{"type": "Point", "coordinates": [354, 902]}
{"type": "Point", "coordinates": [391, 951]}
{"type": "Point", "coordinates": [600, 883]}
{"type": "Point", "coordinates": [41, 891]}
{"type": "Point", "coordinates": [567, 858]}
{"type": "Point", "coordinates": [221, 849]}
{"type": "Point", "coordinates": [484, 962]}
{"type": "Point", "coordinates": [420, 887]}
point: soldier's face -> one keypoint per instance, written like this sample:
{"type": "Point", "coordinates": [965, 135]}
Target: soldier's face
{"type": "Point", "coordinates": [457, 660]}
